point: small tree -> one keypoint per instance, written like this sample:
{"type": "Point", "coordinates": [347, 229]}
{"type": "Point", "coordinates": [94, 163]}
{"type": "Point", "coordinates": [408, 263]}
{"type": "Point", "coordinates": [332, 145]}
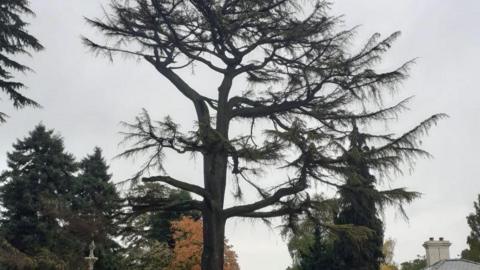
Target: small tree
{"type": "Point", "coordinates": [14, 40]}
{"type": "Point", "coordinates": [388, 252]}
{"type": "Point", "coordinates": [304, 88]}
{"type": "Point", "coordinates": [473, 240]}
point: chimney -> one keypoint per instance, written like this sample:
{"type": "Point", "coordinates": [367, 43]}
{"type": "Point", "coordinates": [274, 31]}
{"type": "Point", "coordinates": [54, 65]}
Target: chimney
{"type": "Point", "coordinates": [436, 250]}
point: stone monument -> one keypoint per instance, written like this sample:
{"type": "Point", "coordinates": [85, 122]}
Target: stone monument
{"type": "Point", "coordinates": [91, 259]}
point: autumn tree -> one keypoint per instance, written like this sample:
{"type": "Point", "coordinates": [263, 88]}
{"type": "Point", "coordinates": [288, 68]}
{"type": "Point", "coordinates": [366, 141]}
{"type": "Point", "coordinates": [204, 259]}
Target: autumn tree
{"type": "Point", "coordinates": [14, 40]}
{"type": "Point", "coordinates": [188, 247]}
{"type": "Point", "coordinates": [388, 252]}
{"type": "Point", "coordinates": [301, 87]}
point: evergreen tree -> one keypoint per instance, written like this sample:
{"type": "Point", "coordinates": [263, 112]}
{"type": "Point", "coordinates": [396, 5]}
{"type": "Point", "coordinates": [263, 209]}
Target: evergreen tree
{"type": "Point", "coordinates": [320, 255]}
{"type": "Point", "coordinates": [473, 240]}
{"type": "Point", "coordinates": [95, 202]}
{"type": "Point", "coordinates": [14, 39]}
{"type": "Point", "coordinates": [35, 193]}
{"type": "Point", "coordinates": [358, 242]}
{"type": "Point", "coordinates": [358, 207]}
{"type": "Point", "coordinates": [301, 80]}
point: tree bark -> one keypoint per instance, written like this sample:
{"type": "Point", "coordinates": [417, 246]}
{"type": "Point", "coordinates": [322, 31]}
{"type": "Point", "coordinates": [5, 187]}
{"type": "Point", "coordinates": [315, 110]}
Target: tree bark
{"type": "Point", "coordinates": [213, 239]}
{"type": "Point", "coordinates": [215, 166]}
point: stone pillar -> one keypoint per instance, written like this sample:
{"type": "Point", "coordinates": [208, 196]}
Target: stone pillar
{"type": "Point", "coordinates": [436, 250]}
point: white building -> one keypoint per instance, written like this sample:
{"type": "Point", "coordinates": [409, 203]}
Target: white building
{"type": "Point", "coordinates": [438, 257]}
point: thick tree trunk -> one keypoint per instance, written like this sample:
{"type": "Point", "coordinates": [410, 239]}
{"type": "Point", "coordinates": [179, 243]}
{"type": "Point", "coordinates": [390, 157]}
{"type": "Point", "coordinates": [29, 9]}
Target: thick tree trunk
{"type": "Point", "coordinates": [213, 237]}
{"type": "Point", "coordinates": [215, 167]}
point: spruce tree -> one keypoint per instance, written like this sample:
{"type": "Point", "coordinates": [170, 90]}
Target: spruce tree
{"type": "Point", "coordinates": [358, 207]}
{"type": "Point", "coordinates": [95, 203]}
{"type": "Point", "coordinates": [35, 194]}
{"type": "Point", "coordinates": [473, 240]}
{"type": "Point", "coordinates": [14, 40]}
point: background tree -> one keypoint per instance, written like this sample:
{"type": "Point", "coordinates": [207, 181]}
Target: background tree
{"type": "Point", "coordinates": [14, 40]}
{"type": "Point", "coordinates": [95, 203]}
{"type": "Point", "coordinates": [310, 244]}
{"type": "Point", "coordinates": [305, 85]}
{"type": "Point", "coordinates": [388, 252]}
{"type": "Point", "coordinates": [417, 264]}
{"type": "Point", "coordinates": [473, 240]}
{"type": "Point", "coordinates": [34, 194]}
{"type": "Point", "coordinates": [148, 232]}
{"type": "Point", "coordinates": [361, 204]}
{"type": "Point", "coordinates": [12, 258]}
{"type": "Point", "coordinates": [155, 256]}
{"type": "Point", "coordinates": [318, 256]}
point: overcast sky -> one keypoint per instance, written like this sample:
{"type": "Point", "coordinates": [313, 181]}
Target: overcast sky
{"type": "Point", "coordinates": [84, 98]}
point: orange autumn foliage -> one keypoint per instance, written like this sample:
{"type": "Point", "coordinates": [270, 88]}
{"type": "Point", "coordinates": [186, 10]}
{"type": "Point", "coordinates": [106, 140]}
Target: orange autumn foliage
{"type": "Point", "coordinates": [187, 253]}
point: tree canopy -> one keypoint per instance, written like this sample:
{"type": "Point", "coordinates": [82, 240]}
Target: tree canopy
{"type": "Point", "coordinates": [15, 39]}
{"type": "Point", "coordinates": [303, 88]}
{"type": "Point", "coordinates": [35, 195]}
{"type": "Point", "coordinates": [52, 206]}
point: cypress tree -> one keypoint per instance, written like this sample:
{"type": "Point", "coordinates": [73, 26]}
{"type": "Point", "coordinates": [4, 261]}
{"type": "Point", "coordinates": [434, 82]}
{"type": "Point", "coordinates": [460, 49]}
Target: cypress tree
{"type": "Point", "coordinates": [14, 40]}
{"type": "Point", "coordinates": [34, 194]}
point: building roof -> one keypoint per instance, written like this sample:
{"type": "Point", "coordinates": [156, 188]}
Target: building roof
{"type": "Point", "coordinates": [454, 264]}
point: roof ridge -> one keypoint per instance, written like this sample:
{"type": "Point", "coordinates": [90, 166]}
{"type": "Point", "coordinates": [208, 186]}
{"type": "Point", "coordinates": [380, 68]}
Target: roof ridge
{"type": "Point", "coordinates": [462, 259]}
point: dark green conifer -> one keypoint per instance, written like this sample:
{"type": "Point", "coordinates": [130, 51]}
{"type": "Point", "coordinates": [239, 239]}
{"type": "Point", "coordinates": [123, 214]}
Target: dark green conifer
{"type": "Point", "coordinates": [95, 202]}
{"type": "Point", "coordinates": [358, 229]}
{"type": "Point", "coordinates": [34, 194]}
{"type": "Point", "coordinates": [320, 254]}
{"type": "Point", "coordinates": [14, 40]}
{"type": "Point", "coordinates": [358, 207]}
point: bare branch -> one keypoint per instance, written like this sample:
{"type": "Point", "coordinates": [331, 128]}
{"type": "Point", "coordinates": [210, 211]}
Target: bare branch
{"type": "Point", "coordinates": [178, 184]}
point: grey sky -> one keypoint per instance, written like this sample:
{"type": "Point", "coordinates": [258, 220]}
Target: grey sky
{"type": "Point", "coordinates": [85, 98]}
